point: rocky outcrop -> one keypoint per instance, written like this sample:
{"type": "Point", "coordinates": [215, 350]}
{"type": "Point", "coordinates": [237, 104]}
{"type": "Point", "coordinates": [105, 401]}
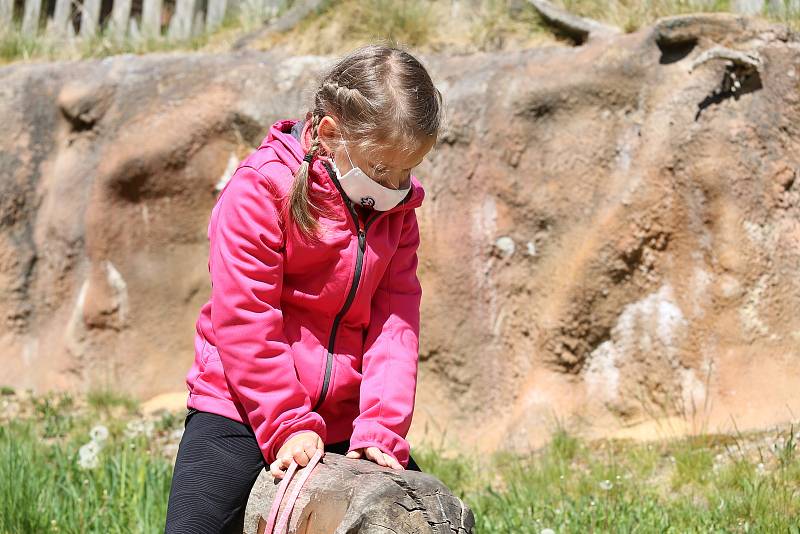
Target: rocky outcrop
{"type": "Point", "coordinates": [610, 235]}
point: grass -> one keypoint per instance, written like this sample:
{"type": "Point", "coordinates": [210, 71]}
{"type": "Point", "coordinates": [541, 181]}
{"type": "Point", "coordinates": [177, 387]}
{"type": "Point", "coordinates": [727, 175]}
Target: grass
{"type": "Point", "coordinates": [746, 482]}
{"type": "Point", "coordinates": [337, 26]}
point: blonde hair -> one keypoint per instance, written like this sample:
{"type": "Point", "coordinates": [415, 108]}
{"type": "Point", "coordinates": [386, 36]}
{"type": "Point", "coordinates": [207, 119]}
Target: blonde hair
{"type": "Point", "coordinates": [379, 95]}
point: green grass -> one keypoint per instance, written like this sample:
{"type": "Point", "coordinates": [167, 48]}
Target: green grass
{"type": "Point", "coordinates": [44, 489]}
{"type": "Point", "coordinates": [704, 483]}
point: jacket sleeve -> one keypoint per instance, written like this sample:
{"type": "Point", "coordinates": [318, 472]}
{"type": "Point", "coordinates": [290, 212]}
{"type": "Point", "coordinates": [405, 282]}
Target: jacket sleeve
{"type": "Point", "coordinates": [391, 353]}
{"type": "Point", "coordinates": [246, 283]}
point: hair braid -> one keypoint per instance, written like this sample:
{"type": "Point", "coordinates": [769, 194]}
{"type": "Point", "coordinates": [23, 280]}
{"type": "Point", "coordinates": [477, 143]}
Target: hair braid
{"type": "Point", "coordinates": [300, 204]}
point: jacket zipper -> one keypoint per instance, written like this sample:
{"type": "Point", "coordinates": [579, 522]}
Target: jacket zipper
{"type": "Point", "coordinates": [362, 243]}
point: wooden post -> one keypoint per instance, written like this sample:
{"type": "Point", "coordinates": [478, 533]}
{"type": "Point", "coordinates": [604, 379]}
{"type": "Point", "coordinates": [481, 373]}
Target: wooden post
{"type": "Point", "coordinates": [784, 8]}
{"type": "Point", "coordinates": [30, 17]}
{"type": "Point", "coordinates": [60, 17]}
{"type": "Point", "coordinates": [180, 27]}
{"type": "Point", "coordinates": [199, 24]}
{"type": "Point", "coordinates": [215, 14]}
{"type": "Point", "coordinates": [120, 15]}
{"type": "Point", "coordinates": [90, 18]}
{"type": "Point", "coordinates": [6, 13]}
{"type": "Point", "coordinates": [747, 7]}
{"type": "Point", "coordinates": [151, 18]}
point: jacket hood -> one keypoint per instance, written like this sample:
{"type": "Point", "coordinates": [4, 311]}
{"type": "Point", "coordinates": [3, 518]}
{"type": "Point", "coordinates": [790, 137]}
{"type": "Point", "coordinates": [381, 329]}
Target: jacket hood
{"type": "Point", "coordinates": [291, 151]}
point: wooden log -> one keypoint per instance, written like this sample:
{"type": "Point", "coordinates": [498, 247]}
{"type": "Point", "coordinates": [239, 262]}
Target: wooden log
{"type": "Point", "coordinates": [30, 17]}
{"type": "Point", "coordinates": [347, 495]}
{"type": "Point", "coordinates": [90, 18]}
{"type": "Point", "coordinates": [579, 29]}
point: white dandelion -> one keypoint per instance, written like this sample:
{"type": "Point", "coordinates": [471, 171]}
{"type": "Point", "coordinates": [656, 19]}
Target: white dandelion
{"type": "Point", "coordinates": [137, 427]}
{"type": "Point", "coordinates": [99, 433]}
{"type": "Point", "coordinates": [88, 455]}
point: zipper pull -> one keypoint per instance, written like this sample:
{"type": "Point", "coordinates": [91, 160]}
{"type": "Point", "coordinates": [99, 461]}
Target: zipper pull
{"type": "Point", "coordinates": [362, 239]}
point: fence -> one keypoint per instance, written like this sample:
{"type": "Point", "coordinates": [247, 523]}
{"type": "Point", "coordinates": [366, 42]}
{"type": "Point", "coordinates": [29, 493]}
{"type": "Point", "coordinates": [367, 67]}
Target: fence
{"type": "Point", "coordinates": [774, 7]}
{"type": "Point", "coordinates": [120, 19]}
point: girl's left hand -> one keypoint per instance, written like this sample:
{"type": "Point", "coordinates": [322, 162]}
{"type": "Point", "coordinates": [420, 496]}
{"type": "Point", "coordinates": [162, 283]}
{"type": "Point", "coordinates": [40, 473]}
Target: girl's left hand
{"type": "Point", "coordinates": [377, 456]}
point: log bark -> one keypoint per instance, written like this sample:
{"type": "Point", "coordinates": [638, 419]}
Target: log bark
{"type": "Point", "coordinates": [348, 496]}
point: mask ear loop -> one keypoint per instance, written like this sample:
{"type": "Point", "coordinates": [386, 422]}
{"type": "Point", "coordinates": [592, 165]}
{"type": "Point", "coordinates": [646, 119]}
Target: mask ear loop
{"type": "Point", "coordinates": [347, 152]}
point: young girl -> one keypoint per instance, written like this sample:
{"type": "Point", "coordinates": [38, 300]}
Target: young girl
{"type": "Point", "coordinates": [310, 337]}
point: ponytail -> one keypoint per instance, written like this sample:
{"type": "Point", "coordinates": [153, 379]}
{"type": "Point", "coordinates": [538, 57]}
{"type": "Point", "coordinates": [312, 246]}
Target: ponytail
{"type": "Point", "coordinates": [300, 206]}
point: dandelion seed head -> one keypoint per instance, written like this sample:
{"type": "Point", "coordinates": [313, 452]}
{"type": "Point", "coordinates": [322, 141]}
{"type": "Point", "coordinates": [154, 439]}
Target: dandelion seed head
{"type": "Point", "coordinates": [99, 433]}
{"type": "Point", "coordinates": [88, 455]}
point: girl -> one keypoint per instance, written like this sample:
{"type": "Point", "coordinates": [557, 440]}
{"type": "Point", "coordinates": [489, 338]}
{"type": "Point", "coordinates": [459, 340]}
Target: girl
{"type": "Point", "coordinates": [310, 337]}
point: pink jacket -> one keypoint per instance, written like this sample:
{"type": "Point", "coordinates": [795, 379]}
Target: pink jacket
{"type": "Point", "coordinates": [301, 337]}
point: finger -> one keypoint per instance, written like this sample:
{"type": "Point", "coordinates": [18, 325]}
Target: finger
{"type": "Point", "coordinates": [310, 449]}
{"type": "Point", "coordinates": [376, 455]}
{"type": "Point", "coordinates": [299, 455]}
{"type": "Point", "coordinates": [354, 454]}
{"type": "Point", "coordinates": [284, 462]}
{"type": "Point", "coordinates": [275, 470]}
{"type": "Point", "coordinates": [393, 463]}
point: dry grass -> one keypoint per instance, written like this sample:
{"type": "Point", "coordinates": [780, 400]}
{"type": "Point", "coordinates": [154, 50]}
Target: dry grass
{"type": "Point", "coordinates": [457, 27]}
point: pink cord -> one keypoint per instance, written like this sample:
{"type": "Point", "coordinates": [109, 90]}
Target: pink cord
{"type": "Point", "coordinates": [273, 511]}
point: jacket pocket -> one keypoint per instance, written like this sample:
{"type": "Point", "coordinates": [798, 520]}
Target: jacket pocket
{"type": "Point", "coordinates": [348, 379]}
{"type": "Point", "coordinates": [344, 392]}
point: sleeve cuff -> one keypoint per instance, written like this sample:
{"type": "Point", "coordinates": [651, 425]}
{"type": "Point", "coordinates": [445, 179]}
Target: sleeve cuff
{"type": "Point", "coordinates": [386, 441]}
{"type": "Point", "coordinates": [314, 423]}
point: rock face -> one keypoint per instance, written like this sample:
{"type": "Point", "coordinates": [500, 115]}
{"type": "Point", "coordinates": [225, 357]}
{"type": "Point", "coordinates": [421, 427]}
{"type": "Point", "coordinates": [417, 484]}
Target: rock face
{"type": "Point", "coordinates": [611, 233]}
{"type": "Point", "coordinates": [344, 495]}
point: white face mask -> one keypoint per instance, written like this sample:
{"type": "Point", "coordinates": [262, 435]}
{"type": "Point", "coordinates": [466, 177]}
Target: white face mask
{"type": "Point", "coordinates": [365, 191]}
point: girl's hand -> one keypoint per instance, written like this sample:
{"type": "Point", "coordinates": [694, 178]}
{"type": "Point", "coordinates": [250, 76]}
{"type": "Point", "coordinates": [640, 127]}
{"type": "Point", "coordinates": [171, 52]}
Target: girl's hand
{"type": "Point", "coordinates": [300, 448]}
{"type": "Point", "coordinates": [377, 456]}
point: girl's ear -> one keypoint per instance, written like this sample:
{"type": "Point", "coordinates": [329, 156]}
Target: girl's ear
{"type": "Point", "coordinates": [327, 132]}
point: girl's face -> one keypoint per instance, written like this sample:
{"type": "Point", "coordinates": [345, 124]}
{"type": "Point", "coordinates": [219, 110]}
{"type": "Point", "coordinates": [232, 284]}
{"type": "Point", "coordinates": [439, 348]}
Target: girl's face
{"type": "Point", "coordinates": [386, 166]}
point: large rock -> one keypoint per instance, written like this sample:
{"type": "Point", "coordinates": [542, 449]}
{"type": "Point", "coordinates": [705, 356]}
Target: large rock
{"type": "Point", "coordinates": [609, 235]}
{"type": "Point", "coordinates": [347, 496]}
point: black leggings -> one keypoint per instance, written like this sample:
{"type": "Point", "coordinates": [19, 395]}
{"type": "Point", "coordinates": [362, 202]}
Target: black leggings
{"type": "Point", "coordinates": [217, 465]}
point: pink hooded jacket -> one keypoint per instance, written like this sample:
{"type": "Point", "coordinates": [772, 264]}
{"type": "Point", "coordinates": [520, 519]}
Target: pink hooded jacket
{"type": "Point", "coordinates": [297, 336]}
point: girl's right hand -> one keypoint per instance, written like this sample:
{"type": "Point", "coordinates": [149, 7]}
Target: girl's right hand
{"type": "Point", "coordinates": [299, 448]}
